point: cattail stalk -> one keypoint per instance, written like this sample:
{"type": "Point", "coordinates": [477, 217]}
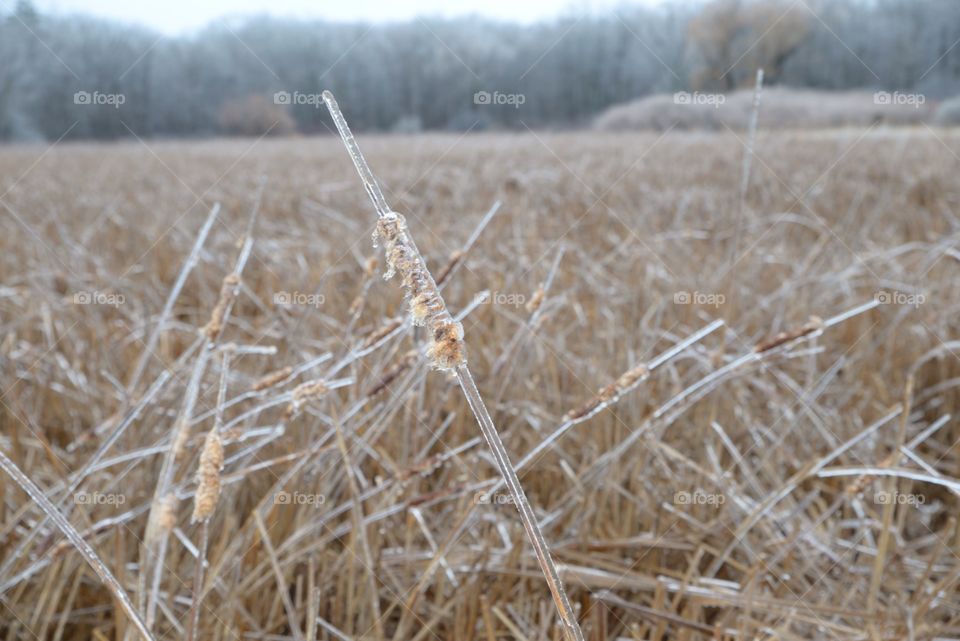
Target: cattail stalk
{"type": "Point", "coordinates": [447, 352]}
{"type": "Point", "coordinates": [207, 494]}
{"type": "Point", "coordinates": [40, 498]}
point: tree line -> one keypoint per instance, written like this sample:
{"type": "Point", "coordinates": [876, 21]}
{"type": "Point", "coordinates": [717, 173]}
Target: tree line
{"type": "Point", "coordinates": [81, 77]}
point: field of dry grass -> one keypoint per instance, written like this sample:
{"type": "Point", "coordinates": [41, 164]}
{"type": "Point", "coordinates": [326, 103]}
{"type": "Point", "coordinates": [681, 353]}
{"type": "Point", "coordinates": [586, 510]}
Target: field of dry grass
{"type": "Point", "coordinates": [748, 485]}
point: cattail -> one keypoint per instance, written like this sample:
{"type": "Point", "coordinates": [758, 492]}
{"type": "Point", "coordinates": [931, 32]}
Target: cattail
{"type": "Point", "coordinates": [181, 434]}
{"type": "Point", "coordinates": [356, 303]}
{"type": "Point", "coordinates": [447, 269]}
{"type": "Point", "coordinates": [446, 350]}
{"type": "Point", "coordinates": [370, 267]}
{"type": "Point", "coordinates": [271, 379]}
{"type": "Point", "coordinates": [228, 291]}
{"type": "Point", "coordinates": [536, 300]}
{"type": "Point", "coordinates": [162, 519]}
{"type": "Point", "coordinates": [381, 332]}
{"type": "Point", "coordinates": [208, 477]}
{"type": "Point", "coordinates": [814, 324]}
{"type": "Point", "coordinates": [610, 392]}
{"type": "Point", "coordinates": [394, 371]}
{"type": "Point", "coordinates": [303, 393]}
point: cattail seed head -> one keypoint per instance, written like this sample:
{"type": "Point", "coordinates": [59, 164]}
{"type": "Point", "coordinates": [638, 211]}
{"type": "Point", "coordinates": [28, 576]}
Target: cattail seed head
{"type": "Point", "coordinates": [163, 518]}
{"type": "Point", "coordinates": [271, 379]}
{"type": "Point", "coordinates": [447, 350]}
{"type": "Point", "coordinates": [381, 332]}
{"type": "Point", "coordinates": [393, 372]}
{"type": "Point", "coordinates": [227, 293]}
{"type": "Point", "coordinates": [303, 393]}
{"type": "Point", "coordinates": [610, 392]}
{"type": "Point", "coordinates": [814, 324]}
{"type": "Point", "coordinates": [536, 300]}
{"type": "Point", "coordinates": [208, 477]}
{"type": "Point", "coordinates": [444, 274]}
{"type": "Point", "coordinates": [181, 434]}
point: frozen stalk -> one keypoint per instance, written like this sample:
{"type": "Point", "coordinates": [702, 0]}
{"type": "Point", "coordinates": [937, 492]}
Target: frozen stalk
{"type": "Point", "coordinates": [89, 555]}
{"type": "Point", "coordinates": [447, 352]}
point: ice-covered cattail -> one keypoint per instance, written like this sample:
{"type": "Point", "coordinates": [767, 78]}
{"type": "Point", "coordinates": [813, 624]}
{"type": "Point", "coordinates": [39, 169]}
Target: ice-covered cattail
{"type": "Point", "coordinates": [228, 290]}
{"type": "Point", "coordinates": [181, 434]}
{"type": "Point", "coordinates": [393, 372]}
{"type": "Point", "coordinates": [814, 324]}
{"type": "Point", "coordinates": [271, 379]}
{"type": "Point", "coordinates": [452, 263]}
{"type": "Point", "coordinates": [536, 300]}
{"type": "Point", "coordinates": [208, 477]}
{"type": "Point", "coordinates": [427, 308]}
{"type": "Point", "coordinates": [303, 393]}
{"type": "Point", "coordinates": [446, 351]}
{"type": "Point", "coordinates": [381, 332]}
{"type": "Point", "coordinates": [163, 518]}
{"type": "Point", "coordinates": [610, 392]}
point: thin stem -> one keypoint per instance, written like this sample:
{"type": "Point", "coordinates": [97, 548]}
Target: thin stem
{"type": "Point", "coordinates": [82, 546]}
{"type": "Point", "coordinates": [540, 548]}
{"type": "Point", "coordinates": [369, 182]}
{"type": "Point", "coordinates": [198, 581]}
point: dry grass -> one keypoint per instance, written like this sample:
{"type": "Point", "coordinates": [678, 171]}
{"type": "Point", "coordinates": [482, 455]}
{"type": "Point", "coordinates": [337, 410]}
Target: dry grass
{"type": "Point", "coordinates": [733, 488]}
{"type": "Point", "coordinates": [784, 108]}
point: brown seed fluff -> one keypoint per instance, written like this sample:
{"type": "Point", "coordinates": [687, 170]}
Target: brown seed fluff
{"type": "Point", "coordinates": [271, 379]}
{"type": "Point", "coordinates": [228, 291]}
{"type": "Point", "coordinates": [208, 477]}
{"type": "Point", "coordinates": [815, 323]}
{"type": "Point", "coordinates": [381, 332]}
{"type": "Point", "coordinates": [163, 518]}
{"type": "Point", "coordinates": [303, 393]}
{"type": "Point", "coordinates": [536, 300]}
{"type": "Point", "coordinates": [446, 350]}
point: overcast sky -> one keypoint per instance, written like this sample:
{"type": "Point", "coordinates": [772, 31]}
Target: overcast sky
{"type": "Point", "coordinates": [180, 16]}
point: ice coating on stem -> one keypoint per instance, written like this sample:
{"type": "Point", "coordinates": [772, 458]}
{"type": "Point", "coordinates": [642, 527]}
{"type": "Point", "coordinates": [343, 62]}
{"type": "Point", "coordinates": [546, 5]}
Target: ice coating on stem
{"type": "Point", "coordinates": [446, 352]}
{"type": "Point", "coordinates": [369, 182]}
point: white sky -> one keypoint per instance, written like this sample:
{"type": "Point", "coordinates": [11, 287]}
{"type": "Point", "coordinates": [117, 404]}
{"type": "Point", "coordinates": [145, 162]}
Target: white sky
{"type": "Point", "coordinates": [180, 16]}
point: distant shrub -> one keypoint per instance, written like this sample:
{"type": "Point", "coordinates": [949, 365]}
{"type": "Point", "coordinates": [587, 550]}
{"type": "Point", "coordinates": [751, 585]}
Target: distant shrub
{"type": "Point", "coordinates": [407, 125]}
{"type": "Point", "coordinates": [256, 115]}
{"type": "Point", "coordinates": [948, 113]}
{"type": "Point", "coordinates": [782, 108]}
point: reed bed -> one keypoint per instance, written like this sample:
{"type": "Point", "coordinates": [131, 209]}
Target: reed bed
{"type": "Point", "coordinates": [219, 422]}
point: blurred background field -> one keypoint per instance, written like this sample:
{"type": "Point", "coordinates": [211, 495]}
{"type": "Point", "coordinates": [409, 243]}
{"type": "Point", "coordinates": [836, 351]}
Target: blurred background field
{"type": "Point", "coordinates": [640, 227]}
